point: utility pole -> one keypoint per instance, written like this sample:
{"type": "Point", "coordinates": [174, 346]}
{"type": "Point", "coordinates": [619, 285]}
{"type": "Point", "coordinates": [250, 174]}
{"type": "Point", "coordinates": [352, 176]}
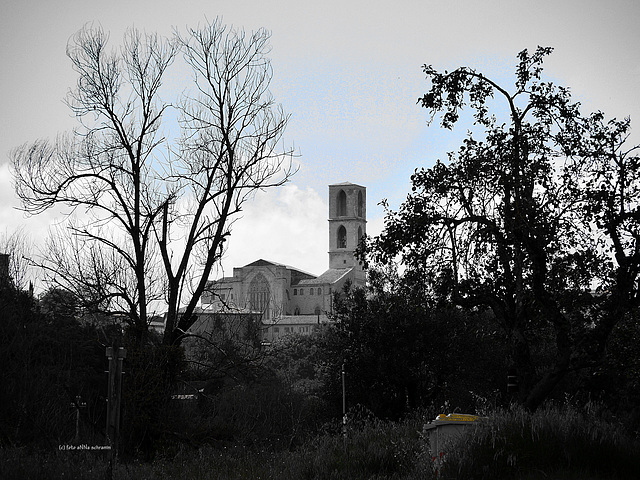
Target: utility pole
{"type": "Point", "coordinates": [115, 356]}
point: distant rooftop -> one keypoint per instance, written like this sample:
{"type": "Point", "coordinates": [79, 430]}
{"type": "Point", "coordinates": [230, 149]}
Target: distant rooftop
{"type": "Point", "coordinates": [285, 320]}
{"type": "Point", "coordinates": [263, 263]}
{"type": "Point", "coordinates": [330, 276]}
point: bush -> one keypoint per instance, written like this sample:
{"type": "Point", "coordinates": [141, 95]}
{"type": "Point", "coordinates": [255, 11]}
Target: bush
{"type": "Point", "coordinates": [374, 450]}
{"type": "Point", "coordinates": [550, 443]}
{"type": "Point", "coordinates": [263, 414]}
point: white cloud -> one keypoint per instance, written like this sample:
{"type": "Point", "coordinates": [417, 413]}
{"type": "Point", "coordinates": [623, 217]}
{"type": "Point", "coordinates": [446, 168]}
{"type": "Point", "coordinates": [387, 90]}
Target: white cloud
{"type": "Point", "coordinates": [9, 217]}
{"type": "Point", "coordinates": [285, 225]}
{"type": "Point", "coordinates": [12, 218]}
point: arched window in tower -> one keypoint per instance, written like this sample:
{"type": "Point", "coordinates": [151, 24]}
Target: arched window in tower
{"type": "Point", "coordinates": [259, 295]}
{"type": "Point", "coordinates": [342, 237]}
{"type": "Point", "coordinates": [342, 204]}
{"type": "Point", "coordinates": [359, 234]}
{"type": "Point", "coordinates": [360, 204]}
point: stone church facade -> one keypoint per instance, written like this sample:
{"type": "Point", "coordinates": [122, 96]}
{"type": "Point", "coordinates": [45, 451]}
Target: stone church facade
{"type": "Point", "coordinates": [289, 300]}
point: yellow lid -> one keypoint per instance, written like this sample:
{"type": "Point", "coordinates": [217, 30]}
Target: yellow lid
{"type": "Point", "coordinates": [458, 417]}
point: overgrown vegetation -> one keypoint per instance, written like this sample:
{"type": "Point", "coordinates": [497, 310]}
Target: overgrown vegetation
{"type": "Point", "coordinates": [374, 450]}
{"type": "Point", "coordinates": [48, 360]}
{"type": "Point", "coordinates": [563, 443]}
{"type": "Point", "coordinates": [552, 442]}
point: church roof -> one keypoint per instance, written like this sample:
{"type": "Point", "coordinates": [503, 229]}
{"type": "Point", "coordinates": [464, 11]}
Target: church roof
{"type": "Point", "coordinates": [296, 275]}
{"type": "Point", "coordinates": [262, 263]}
{"type": "Point", "coordinates": [330, 276]}
{"type": "Point", "coordinates": [267, 263]}
{"type": "Point", "coordinates": [345, 184]}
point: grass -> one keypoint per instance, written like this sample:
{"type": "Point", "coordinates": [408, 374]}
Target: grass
{"type": "Point", "coordinates": [553, 443]}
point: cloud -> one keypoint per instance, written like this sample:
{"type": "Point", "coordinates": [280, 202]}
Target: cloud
{"type": "Point", "coordinates": [11, 218]}
{"type": "Point", "coordinates": [286, 225]}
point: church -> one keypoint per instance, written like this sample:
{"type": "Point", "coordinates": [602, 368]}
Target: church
{"type": "Point", "coordinates": [286, 299]}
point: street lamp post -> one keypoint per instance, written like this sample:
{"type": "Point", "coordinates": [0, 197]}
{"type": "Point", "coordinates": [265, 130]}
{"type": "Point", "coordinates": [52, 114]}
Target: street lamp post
{"type": "Point", "coordinates": [344, 403]}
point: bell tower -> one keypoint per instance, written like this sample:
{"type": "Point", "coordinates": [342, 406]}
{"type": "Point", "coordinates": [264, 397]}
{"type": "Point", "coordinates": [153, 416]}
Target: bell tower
{"type": "Point", "coordinates": [347, 224]}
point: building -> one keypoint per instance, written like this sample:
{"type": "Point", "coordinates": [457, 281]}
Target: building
{"type": "Point", "coordinates": [4, 267]}
{"type": "Point", "coordinates": [290, 300]}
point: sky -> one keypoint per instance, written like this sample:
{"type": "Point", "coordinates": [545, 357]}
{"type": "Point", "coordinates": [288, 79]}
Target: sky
{"type": "Point", "coordinates": [348, 72]}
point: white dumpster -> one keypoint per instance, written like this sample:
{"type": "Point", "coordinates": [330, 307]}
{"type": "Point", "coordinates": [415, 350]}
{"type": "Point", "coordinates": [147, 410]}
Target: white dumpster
{"type": "Point", "coordinates": [444, 429]}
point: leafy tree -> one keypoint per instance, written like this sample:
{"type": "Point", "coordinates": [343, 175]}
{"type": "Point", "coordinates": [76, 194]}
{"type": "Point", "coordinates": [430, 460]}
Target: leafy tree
{"type": "Point", "coordinates": [401, 352]}
{"type": "Point", "coordinates": [616, 381]}
{"type": "Point", "coordinates": [222, 346]}
{"type": "Point", "coordinates": [520, 221]}
{"type": "Point", "coordinates": [59, 303]}
{"type": "Point", "coordinates": [301, 361]}
{"type": "Point", "coordinates": [156, 204]}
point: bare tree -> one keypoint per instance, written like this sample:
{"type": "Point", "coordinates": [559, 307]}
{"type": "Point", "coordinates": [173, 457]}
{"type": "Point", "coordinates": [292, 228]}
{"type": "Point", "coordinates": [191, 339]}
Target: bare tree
{"type": "Point", "coordinates": [150, 214]}
{"type": "Point", "coordinates": [18, 245]}
{"type": "Point", "coordinates": [229, 150]}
